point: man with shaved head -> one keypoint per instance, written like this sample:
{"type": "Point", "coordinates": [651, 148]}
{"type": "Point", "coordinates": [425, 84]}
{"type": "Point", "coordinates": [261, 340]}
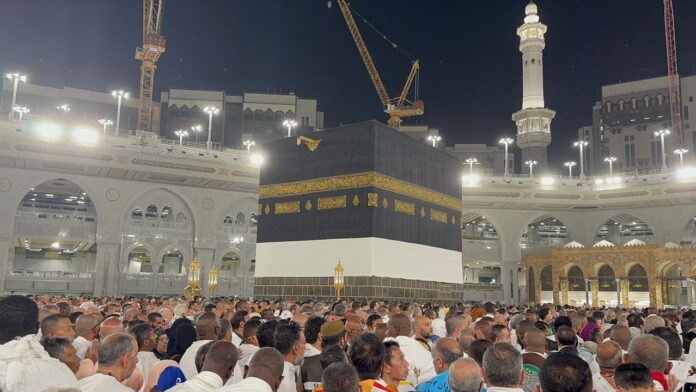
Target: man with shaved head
{"type": "Point", "coordinates": [353, 328]}
{"type": "Point", "coordinates": [110, 326]}
{"type": "Point", "coordinates": [423, 331]}
{"type": "Point", "coordinates": [534, 352]}
{"type": "Point", "coordinates": [421, 367]}
{"type": "Point", "coordinates": [217, 368]}
{"type": "Point", "coordinates": [208, 329]}
{"type": "Point", "coordinates": [609, 356]}
{"type": "Point", "coordinates": [454, 325]}
{"type": "Point", "coordinates": [445, 351]}
{"type": "Point", "coordinates": [87, 330]}
{"type": "Point", "coordinates": [265, 371]}
{"type": "Point", "coordinates": [464, 376]}
{"type": "Point", "coordinates": [621, 334]}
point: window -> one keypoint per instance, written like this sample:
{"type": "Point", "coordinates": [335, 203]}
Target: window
{"type": "Point", "coordinates": [661, 99]}
{"type": "Point", "coordinates": [532, 61]}
{"type": "Point", "coordinates": [633, 138]}
{"type": "Point", "coordinates": [686, 112]}
{"type": "Point", "coordinates": [607, 106]}
{"type": "Point", "coordinates": [634, 103]}
{"type": "Point", "coordinates": [621, 104]}
{"type": "Point", "coordinates": [646, 101]}
{"type": "Point", "coordinates": [691, 98]}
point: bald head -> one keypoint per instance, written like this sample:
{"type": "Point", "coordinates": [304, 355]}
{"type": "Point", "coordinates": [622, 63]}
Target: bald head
{"type": "Point", "coordinates": [483, 330]}
{"type": "Point", "coordinates": [221, 359]}
{"type": "Point", "coordinates": [653, 321]}
{"type": "Point", "coordinates": [535, 340]}
{"type": "Point", "coordinates": [398, 325]}
{"type": "Point", "coordinates": [84, 325]}
{"type": "Point", "coordinates": [267, 364]}
{"type": "Point", "coordinates": [300, 319]}
{"type": "Point", "coordinates": [621, 335]}
{"type": "Point", "coordinates": [444, 352]}
{"type": "Point", "coordinates": [111, 326]}
{"type": "Point", "coordinates": [609, 355]}
{"type": "Point", "coordinates": [208, 326]}
{"type": "Point", "coordinates": [464, 376]}
{"type": "Point", "coordinates": [130, 314]}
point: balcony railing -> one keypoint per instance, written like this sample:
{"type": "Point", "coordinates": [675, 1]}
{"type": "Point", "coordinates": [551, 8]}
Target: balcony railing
{"type": "Point", "coordinates": [51, 275]}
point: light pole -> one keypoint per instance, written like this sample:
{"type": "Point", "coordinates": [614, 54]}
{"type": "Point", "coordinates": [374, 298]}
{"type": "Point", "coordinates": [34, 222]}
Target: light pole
{"type": "Point", "coordinates": [506, 141]}
{"type": "Point", "coordinates": [290, 124]}
{"type": "Point", "coordinates": [471, 162]}
{"type": "Point", "coordinates": [531, 167]}
{"type": "Point", "coordinates": [119, 95]}
{"type": "Point", "coordinates": [434, 140]}
{"type": "Point", "coordinates": [196, 129]}
{"type": "Point", "coordinates": [182, 134]}
{"type": "Point", "coordinates": [662, 133]}
{"type": "Point", "coordinates": [248, 144]}
{"type": "Point", "coordinates": [15, 77]}
{"type": "Point", "coordinates": [211, 110]}
{"type": "Point", "coordinates": [22, 110]}
{"type": "Point", "coordinates": [610, 161]}
{"type": "Point", "coordinates": [105, 122]}
{"type": "Point", "coordinates": [681, 152]}
{"type": "Point", "coordinates": [581, 144]}
{"type": "Point", "coordinates": [570, 165]}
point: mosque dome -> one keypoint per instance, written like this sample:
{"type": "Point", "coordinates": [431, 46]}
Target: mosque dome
{"type": "Point", "coordinates": [530, 9]}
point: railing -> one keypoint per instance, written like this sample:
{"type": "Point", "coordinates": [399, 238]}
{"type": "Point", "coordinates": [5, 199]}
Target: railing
{"type": "Point", "coordinates": [51, 275]}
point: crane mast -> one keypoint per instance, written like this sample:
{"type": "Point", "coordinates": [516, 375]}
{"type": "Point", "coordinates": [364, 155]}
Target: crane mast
{"type": "Point", "coordinates": [395, 107]}
{"type": "Point", "coordinates": [153, 46]}
{"type": "Point", "coordinates": [673, 74]}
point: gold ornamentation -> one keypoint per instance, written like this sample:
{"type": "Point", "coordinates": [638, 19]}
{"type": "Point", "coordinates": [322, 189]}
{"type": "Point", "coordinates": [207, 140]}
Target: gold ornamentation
{"type": "Point", "coordinates": [372, 200]}
{"type": "Point", "coordinates": [361, 180]}
{"type": "Point", "coordinates": [453, 221]}
{"type": "Point", "coordinates": [438, 216]}
{"type": "Point", "coordinates": [287, 207]}
{"type": "Point", "coordinates": [267, 210]}
{"type": "Point", "coordinates": [311, 144]}
{"type": "Point", "coordinates": [385, 202]}
{"type": "Point", "coordinates": [260, 209]}
{"type": "Point", "coordinates": [422, 212]}
{"type": "Point", "coordinates": [329, 203]}
{"type": "Point", "coordinates": [404, 207]}
{"type": "Point", "coordinates": [308, 205]}
{"type": "Point", "coordinates": [356, 200]}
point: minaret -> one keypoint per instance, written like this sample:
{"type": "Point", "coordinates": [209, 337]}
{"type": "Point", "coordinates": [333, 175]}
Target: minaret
{"type": "Point", "coordinates": [533, 120]}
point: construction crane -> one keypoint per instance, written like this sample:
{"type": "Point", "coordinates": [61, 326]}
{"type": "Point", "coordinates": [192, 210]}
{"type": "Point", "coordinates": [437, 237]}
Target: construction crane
{"type": "Point", "coordinates": [673, 75]}
{"type": "Point", "coordinates": [398, 107]}
{"type": "Point", "coordinates": [153, 47]}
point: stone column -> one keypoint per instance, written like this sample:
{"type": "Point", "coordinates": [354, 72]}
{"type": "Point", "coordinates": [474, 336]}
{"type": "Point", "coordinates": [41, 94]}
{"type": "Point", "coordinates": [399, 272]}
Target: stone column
{"type": "Point", "coordinates": [595, 290]}
{"type": "Point", "coordinates": [508, 278]}
{"type": "Point", "coordinates": [618, 292]}
{"type": "Point", "coordinates": [6, 256]}
{"type": "Point", "coordinates": [624, 292]}
{"type": "Point", "coordinates": [587, 291]}
{"type": "Point", "coordinates": [689, 292]}
{"type": "Point", "coordinates": [564, 291]}
{"type": "Point", "coordinates": [206, 258]}
{"type": "Point", "coordinates": [107, 274]}
{"type": "Point", "coordinates": [655, 289]}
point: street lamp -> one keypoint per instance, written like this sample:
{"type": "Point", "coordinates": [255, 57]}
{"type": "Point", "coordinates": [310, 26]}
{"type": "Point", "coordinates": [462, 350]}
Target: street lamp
{"type": "Point", "coordinates": [212, 281]}
{"type": "Point", "coordinates": [339, 280]}
{"type": "Point", "coordinates": [105, 122]}
{"type": "Point", "coordinates": [196, 129]}
{"type": "Point", "coordinates": [15, 77]}
{"type": "Point", "coordinates": [662, 133]}
{"type": "Point", "coordinates": [471, 162]}
{"type": "Point", "coordinates": [211, 110]}
{"type": "Point", "coordinates": [119, 95]}
{"type": "Point", "coordinates": [290, 124]}
{"type": "Point", "coordinates": [531, 167]}
{"type": "Point", "coordinates": [182, 134]}
{"type": "Point", "coordinates": [610, 161]}
{"type": "Point", "coordinates": [194, 279]}
{"type": "Point", "coordinates": [506, 141]}
{"type": "Point", "coordinates": [248, 144]}
{"type": "Point", "coordinates": [434, 139]}
{"type": "Point", "coordinates": [63, 108]}
{"type": "Point", "coordinates": [22, 110]}
{"type": "Point", "coordinates": [582, 144]}
{"type": "Point", "coordinates": [681, 152]}
{"type": "Point", "coordinates": [570, 165]}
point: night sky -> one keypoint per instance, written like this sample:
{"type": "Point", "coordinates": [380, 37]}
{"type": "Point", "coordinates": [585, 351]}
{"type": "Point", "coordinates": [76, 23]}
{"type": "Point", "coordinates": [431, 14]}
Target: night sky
{"type": "Point", "coordinates": [470, 77]}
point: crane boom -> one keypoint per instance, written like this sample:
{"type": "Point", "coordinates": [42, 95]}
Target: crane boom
{"type": "Point", "coordinates": [153, 46]}
{"type": "Point", "coordinates": [409, 81]}
{"type": "Point", "coordinates": [364, 53]}
{"type": "Point", "coordinates": [673, 74]}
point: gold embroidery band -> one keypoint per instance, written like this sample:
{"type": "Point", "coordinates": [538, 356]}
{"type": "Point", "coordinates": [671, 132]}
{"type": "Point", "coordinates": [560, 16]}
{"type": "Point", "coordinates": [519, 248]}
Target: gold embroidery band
{"type": "Point", "coordinates": [404, 207]}
{"type": "Point", "coordinates": [360, 180]}
{"type": "Point", "coordinates": [438, 216]}
{"type": "Point", "coordinates": [329, 203]}
{"type": "Point", "coordinates": [288, 207]}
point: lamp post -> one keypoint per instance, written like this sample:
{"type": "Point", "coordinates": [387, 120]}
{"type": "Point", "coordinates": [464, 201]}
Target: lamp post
{"type": "Point", "coordinates": [339, 281]}
{"type": "Point", "coordinates": [119, 95]}
{"type": "Point", "coordinates": [212, 281]}
{"type": "Point", "coordinates": [248, 144]}
{"type": "Point", "coordinates": [506, 141]}
{"type": "Point", "coordinates": [211, 110]}
{"type": "Point", "coordinates": [182, 134]}
{"type": "Point", "coordinates": [105, 122]}
{"type": "Point", "coordinates": [290, 124]}
{"type": "Point", "coordinates": [681, 152]}
{"type": "Point", "coordinates": [196, 129]}
{"type": "Point", "coordinates": [610, 161]}
{"type": "Point", "coordinates": [471, 162]}
{"type": "Point", "coordinates": [194, 279]}
{"type": "Point", "coordinates": [22, 110]}
{"type": "Point", "coordinates": [15, 77]}
{"type": "Point", "coordinates": [662, 133]}
{"type": "Point", "coordinates": [581, 144]}
{"type": "Point", "coordinates": [531, 167]}
{"type": "Point", "coordinates": [434, 139]}
{"type": "Point", "coordinates": [570, 165]}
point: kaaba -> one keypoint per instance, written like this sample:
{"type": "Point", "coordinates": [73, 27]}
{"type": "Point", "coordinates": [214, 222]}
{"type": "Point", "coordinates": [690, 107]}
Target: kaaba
{"type": "Point", "coordinates": [386, 205]}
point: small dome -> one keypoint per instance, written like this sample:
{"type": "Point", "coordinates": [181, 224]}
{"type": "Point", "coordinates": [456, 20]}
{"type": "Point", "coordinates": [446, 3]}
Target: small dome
{"type": "Point", "coordinates": [530, 9]}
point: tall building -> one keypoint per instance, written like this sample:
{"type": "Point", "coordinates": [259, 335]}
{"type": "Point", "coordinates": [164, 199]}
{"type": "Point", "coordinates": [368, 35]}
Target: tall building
{"type": "Point", "coordinates": [533, 120]}
{"type": "Point", "coordinates": [585, 134]}
{"type": "Point", "coordinates": [258, 117]}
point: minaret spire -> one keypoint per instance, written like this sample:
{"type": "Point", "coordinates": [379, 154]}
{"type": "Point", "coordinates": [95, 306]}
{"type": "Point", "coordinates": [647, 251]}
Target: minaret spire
{"type": "Point", "coordinates": [533, 120]}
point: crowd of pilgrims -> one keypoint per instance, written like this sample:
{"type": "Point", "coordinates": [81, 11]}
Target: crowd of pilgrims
{"type": "Point", "coordinates": [169, 344]}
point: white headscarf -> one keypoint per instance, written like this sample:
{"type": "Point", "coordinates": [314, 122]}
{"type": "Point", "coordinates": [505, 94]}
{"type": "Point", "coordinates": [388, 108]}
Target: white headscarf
{"type": "Point", "coordinates": [691, 357]}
